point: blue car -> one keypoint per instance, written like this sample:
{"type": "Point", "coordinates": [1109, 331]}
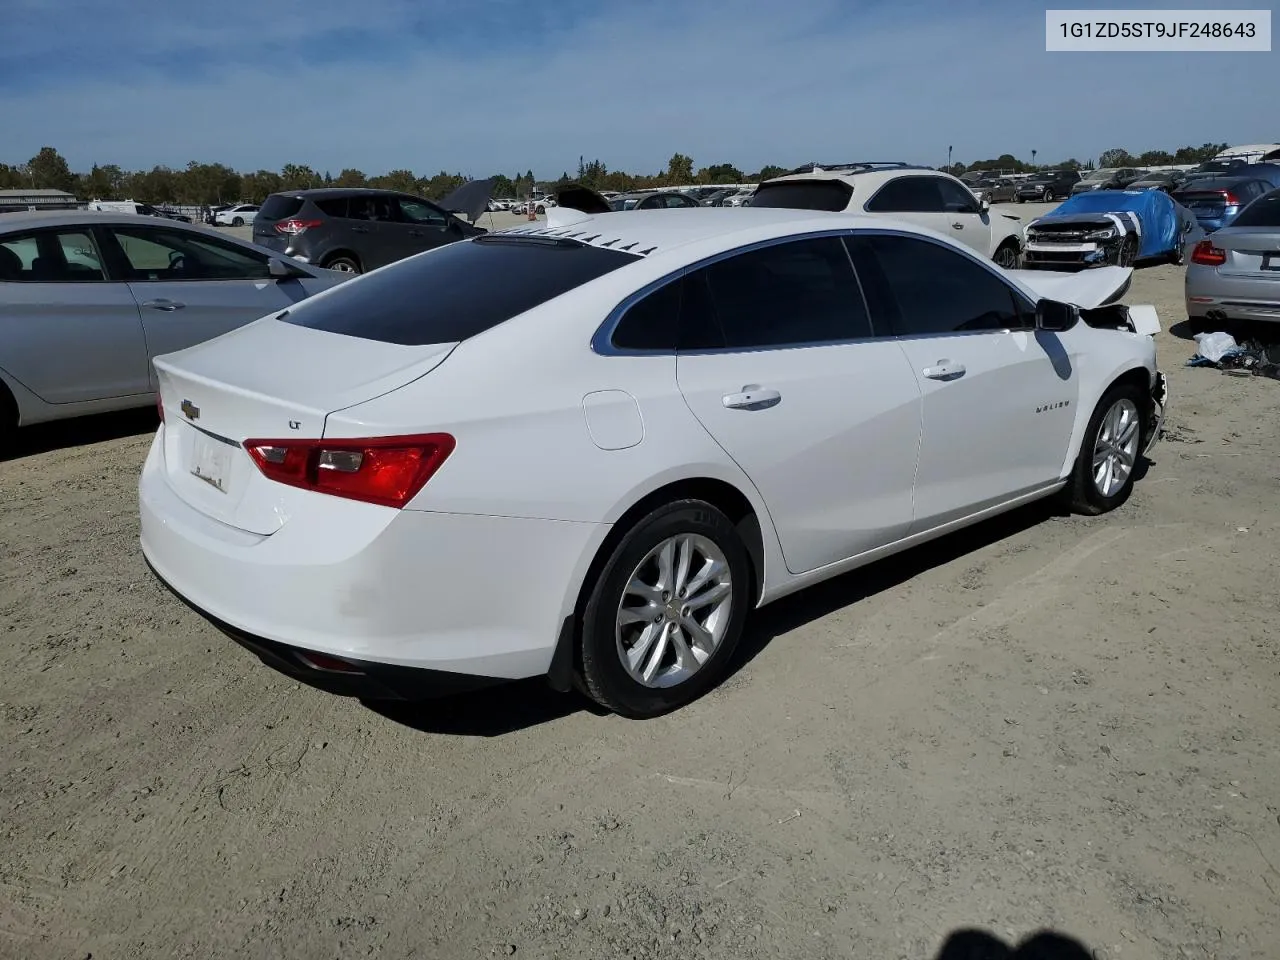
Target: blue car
{"type": "Point", "coordinates": [1218, 201]}
{"type": "Point", "coordinates": [1111, 227]}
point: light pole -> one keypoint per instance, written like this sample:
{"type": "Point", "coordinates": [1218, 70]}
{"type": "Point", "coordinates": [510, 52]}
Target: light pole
{"type": "Point", "coordinates": [1033, 158]}
{"type": "Point", "coordinates": [948, 159]}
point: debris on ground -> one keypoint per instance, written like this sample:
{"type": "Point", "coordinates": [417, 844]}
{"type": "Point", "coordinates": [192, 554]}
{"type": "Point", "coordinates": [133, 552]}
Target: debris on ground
{"type": "Point", "coordinates": [1241, 359]}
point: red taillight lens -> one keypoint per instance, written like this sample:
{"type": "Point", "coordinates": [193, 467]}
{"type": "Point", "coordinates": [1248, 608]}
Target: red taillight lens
{"type": "Point", "coordinates": [1229, 198]}
{"type": "Point", "coordinates": [384, 470]}
{"type": "Point", "coordinates": [1206, 254]}
{"type": "Point", "coordinates": [295, 226]}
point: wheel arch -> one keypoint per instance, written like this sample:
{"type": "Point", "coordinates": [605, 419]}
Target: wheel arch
{"type": "Point", "coordinates": [720, 493]}
{"type": "Point", "coordinates": [1134, 373]}
{"type": "Point", "coordinates": [333, 255]}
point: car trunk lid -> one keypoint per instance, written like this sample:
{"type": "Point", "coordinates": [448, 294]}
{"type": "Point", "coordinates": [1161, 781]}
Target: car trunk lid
{"type": "Point", "coordinates": [276, 208]}
{"type": "Point", "coordinates": [269, 380]}
{"type": "Point", "coordinates": [1250, 251]}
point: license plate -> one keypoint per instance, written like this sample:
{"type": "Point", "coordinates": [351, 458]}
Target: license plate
{"type": "Point", "coordinates": [1271, 262]}
{"type": "Point", "coordinates": [211, 462]}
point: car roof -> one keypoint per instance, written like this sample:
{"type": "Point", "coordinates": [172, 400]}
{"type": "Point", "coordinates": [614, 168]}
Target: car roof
{"type": "Point", "coordinates": [654, 231]}
{"type": "Point", "coordinates": [862, 174]}
{"type": "Point", "coordinates": [1201, 184]}
{"type": "Point", "coordinates": [322, 193]}
{"type": "Point", "coordinates": [31, 220]}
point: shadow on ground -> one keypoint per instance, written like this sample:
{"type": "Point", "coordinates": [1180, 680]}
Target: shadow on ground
{"type": "Point", "coordinates": [81, 431]}
{"type": "Point", "coordinates": [973, 944]}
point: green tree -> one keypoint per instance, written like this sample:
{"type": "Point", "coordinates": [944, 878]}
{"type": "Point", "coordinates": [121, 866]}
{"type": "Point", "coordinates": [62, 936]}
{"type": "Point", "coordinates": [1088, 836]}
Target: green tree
{"type": "Point", "coordinates": [503, 186]}
{"type": "Point", "coordinates": [720, 173]}
{"type": "Point", "coordinates": [11, 178]}
{"type": "Point", "coordinates": [298, 176]}
{"type": "Point", "coordinates": [48, 170]}
{"type": "Point", "coordinates": [679, 170]}
{"type": "Point", "coordinates": [768, 172]}
{"type": "Point", "coordinates": [350, 177]}
{"type": "Point", "coordinates": [256, 187]}
{"type": "Point", "coordinates": [1115, 157]}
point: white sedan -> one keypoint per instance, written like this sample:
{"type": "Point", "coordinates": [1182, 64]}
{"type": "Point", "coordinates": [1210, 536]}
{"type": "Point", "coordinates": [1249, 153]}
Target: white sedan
{"type": "Point", "coordinates": [596, 469]}
{"type": "Point", "coordinates": [236, 216]}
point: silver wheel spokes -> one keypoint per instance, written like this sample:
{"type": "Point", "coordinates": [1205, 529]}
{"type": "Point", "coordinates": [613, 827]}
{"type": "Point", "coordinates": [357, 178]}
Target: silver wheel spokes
{"type": "Point", "coordinates": [1116, 449]}
{"type": "Point", "coordinates": [674, 611]}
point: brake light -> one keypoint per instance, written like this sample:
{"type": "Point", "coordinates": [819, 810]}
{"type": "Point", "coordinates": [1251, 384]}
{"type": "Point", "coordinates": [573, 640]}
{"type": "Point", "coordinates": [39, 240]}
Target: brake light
{"type": "Point", "coordinates": [294, 226]}
{"type": "Point", "coordinates": [384, 470]}
{"type": "Point", "coordinates": [1206, 254]}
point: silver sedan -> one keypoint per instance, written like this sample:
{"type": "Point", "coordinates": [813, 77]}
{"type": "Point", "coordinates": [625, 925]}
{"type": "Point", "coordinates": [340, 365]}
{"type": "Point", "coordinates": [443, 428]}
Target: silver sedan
{"type": "Point", "coordinates": [1234, 274]}
{"type": "Point", "coordinates": [88, 299]}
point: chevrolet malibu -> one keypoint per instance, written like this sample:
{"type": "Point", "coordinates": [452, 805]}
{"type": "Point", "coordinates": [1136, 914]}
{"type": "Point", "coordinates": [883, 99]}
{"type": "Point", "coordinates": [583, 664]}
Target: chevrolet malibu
{"type": "Point", "coordinates": [425, 481]}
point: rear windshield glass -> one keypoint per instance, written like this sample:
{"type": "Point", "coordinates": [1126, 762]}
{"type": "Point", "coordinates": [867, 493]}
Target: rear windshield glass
{"type": "Point", "coordinates": [458, 290]}
{"type": "Point", "coordinates": [279, 207]}
{"type": "Point", "coordinates": [803, 195]}
{"type": "Point", "coordinates": [1263, 212]}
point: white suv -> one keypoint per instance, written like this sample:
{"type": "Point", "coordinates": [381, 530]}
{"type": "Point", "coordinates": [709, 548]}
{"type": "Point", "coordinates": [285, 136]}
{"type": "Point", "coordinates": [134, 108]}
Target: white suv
{"type": "Point", "coordinates": [917, 195]}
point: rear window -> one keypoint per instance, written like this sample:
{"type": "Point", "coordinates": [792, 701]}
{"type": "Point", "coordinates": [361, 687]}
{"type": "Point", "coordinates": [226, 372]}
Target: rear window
{"type": "Point", "coordinates": [832, 195]}
{"type": "Point", "coordinates": [1263, 212]}
{"type": "Point", "coordinates": [457, 291]}
{"type": "Point", "coordinates": [278, 207]}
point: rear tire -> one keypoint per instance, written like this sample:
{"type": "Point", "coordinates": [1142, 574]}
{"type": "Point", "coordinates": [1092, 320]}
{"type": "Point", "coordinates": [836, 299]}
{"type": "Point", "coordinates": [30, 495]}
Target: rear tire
{"type": "Point", "coordinates": [238, 222]}
{"type": "Point", "coordinates": [648, 646]}
{"type": "Point", "coordinates": [1113, 443]}
{"type": "Point", "coordinates": [1007, 255]}
{"type": "Point", "coordinates": [8, 422]}
{"type": "Point", "coordinates": [343, 264]}
{"type": "Point", "coordinates": [1048, 196]}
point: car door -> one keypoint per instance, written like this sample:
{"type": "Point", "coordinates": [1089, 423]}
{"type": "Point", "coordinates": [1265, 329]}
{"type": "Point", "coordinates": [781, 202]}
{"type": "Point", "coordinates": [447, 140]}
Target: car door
{"type": "Point", "coordinates": [68, 332]}
{"type": "Point", "coordinates": [778, 362]}
{"type": "Point", "coordinates": [421, 226]}
{"type": "Point", "coordinates": [192, 287]}
{"type": "Point", "coordinates": [935, 203]}
{"type": "Point", "coordinates": [375, 231]}
{"type": "Point", "coordinates": [999, 396]}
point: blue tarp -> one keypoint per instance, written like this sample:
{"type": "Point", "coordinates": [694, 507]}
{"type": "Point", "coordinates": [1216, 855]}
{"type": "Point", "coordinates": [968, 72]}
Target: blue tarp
{"type": "Point", "coordinates": [1157, 212]}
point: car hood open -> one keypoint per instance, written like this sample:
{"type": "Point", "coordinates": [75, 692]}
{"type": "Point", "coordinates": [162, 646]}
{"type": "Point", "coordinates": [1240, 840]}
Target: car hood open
{"type": "Point", "coordinates": [471, 199]}
{"type": "Point", "coordinates": [1086, 289]}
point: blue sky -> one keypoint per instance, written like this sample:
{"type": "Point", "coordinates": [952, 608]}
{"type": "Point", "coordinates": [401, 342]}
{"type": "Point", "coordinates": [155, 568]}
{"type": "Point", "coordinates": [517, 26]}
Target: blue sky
{"type": "Point", "coordinates": [482, 86]}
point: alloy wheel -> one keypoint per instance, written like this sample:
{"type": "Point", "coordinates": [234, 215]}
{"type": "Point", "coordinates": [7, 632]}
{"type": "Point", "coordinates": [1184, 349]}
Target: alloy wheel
{"type": "Point", "coordinates": [675, 611]}
{"type": "Point", "coordinates": [1116, 450]}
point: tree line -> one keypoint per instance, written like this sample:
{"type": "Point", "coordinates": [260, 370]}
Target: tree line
{"type": "Point", "coordinates": [213, 183]}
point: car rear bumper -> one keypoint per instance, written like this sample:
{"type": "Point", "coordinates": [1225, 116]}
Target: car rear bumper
{"type": "Point", "coordinates": [460, 594]}
{"type": "Point", "coordinates": [1232, 297]}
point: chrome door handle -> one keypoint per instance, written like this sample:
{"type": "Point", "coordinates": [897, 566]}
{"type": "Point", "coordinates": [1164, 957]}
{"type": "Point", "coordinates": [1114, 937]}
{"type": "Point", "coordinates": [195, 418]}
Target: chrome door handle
{"type": "Point", "coordinates": [944, 370]}
{"type": "Point", "coordinates": [359, 229]}
{"type": "Point", "coordinates": [168, 306]}
{"type": "Point", "coordinates": [958, 226]}
{"type": "Point", "coordinates": [752, 397]}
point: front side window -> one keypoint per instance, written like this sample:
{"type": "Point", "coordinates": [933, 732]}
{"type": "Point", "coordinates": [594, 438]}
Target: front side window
{"type": "Point", "coordinates": [419, 211]}
{"type": "Point", "coordinates": [908, 195]}
{"type": "Point", "coordinates": [371, 208]}
{"type": "Point", "coordinates": [50, 256]}
{"type": "Point", "coordinates": [956, 198]}
{"type": "Point", "coordinates": [925, 288]}
{"type": "Point", "coordinates": [159, 254]}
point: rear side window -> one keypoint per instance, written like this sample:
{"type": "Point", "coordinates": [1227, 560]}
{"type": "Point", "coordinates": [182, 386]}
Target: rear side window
{"type": "Point", "coordinates": [830, 195]}
{"type": "Point", "coordinates": [458, 290]}
{"type": "Point", "coordinates": [333, 207]}
{"type": "Point", "coordinates": [1263, 212]}
{"type": "Point", "coordinates": [279, 207]}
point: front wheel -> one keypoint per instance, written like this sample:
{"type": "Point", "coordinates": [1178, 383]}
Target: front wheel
{"type": "Point", "coordinates": [1128, 252]}
{"type": "Point", "coordinates": [1007, 255]}
{"type": "Point", "coordinates": [1048, 196]}
{"type": "Point", "coordinates": [666, 611]}
{"type": "Point", "coordinates": [1103, 476]}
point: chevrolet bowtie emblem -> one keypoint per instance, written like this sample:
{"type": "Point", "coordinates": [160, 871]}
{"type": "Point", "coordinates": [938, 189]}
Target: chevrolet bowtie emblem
{"type": "Point", "coordinates": [191, 410]}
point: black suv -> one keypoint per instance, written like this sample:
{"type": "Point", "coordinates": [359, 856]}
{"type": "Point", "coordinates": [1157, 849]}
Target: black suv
{"type": "Point", "coordinates": [1048, 186]}
{"type": "Point", "coordinates": [354, 230]}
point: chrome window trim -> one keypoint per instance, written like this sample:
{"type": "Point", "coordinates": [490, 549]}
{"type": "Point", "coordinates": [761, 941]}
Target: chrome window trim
{"type": "Point", "coordinates": [602, 340]}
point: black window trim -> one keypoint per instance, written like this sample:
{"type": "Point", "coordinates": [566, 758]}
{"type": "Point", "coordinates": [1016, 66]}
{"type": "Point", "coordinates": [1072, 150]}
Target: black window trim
{"type": "Point", "coordinates": [602, 340]}
{"type": "Point", "coordinates": [123, 266]}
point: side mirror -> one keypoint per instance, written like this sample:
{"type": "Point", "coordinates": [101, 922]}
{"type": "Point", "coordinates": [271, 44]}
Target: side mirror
{"type": "Point", "coordinates": [1055, 316]}
{"type": "Point", "coordinates": [281, 270]}
{"type": "Point", "coordinates": [984, 204]}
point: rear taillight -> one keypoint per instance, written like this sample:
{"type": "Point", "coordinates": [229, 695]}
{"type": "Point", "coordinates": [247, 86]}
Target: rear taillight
{"type": "Point", "coordinates": [384, 470]}
{"type": "Point", "coordinates": [1207, 255]}
{"type": "Point", "coordinates": [294, 226]}
{"type": "Point", "coordinates": [1229, 198]}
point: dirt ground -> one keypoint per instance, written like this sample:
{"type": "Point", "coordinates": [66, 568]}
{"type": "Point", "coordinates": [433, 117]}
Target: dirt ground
{"type": "Point", "coordinates": [1046, 721]}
